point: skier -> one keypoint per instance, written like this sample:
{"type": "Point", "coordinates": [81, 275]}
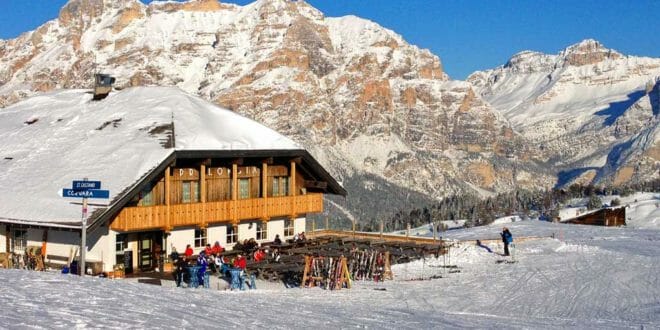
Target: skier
{"type": "Point", "coordinates": [202, 263]}
{"type": "Point", "coordinates": [507, 238]}
{"type": "Point", "coordinates": [179, 270]}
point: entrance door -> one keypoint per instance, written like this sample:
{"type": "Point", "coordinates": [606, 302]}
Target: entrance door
{"type": "Point", "coordinates": [149, 250]}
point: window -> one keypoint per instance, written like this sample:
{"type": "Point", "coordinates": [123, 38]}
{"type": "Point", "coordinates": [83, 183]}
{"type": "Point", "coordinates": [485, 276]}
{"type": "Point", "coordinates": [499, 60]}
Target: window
{"type": "Point", "coordinates": [190, 192]}
{"type": "Point", "coordinates": [232, 235]}
{"type": "Point", "coordinates": [146, 197]}
{"type": "Point", "coordinates": [20, 239]}
{"type": "Point", "coordinates": [243, 188]}
{"type": "Point", "coordinates": [195, 191]}
{"type": "Point", "coordinates": [280, 186]}
{"type": "Point", "coordinates": [185, 197]}
{"type": "Point", "coordinates": [262, 230]}
{"type": "Point", "coordinates": [121, 243]}
{"type": "Point", "coordinates": [276, 186]}
{"type": "Point", "coordinates": [200, 237]}
{"type": "Point", "coordinates": [288, 228]}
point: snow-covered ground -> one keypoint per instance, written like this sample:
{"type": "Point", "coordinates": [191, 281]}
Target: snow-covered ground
{"type": "Point", "coordinates": [585, 277]}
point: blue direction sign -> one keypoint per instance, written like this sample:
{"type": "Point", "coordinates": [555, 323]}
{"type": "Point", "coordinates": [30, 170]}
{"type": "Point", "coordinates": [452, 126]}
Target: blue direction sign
{"type": "Point", "coordinates": [86, 185]}
{"type": "Point", "coordinates": [90, 193]}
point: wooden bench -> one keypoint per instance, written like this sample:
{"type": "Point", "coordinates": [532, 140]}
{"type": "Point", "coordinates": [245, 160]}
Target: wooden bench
{"type": "Point", "coordinates": [55, 261]}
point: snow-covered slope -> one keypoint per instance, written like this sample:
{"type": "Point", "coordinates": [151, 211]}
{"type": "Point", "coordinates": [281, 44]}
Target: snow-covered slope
{"type": "Point", "coordinates": [589, 110]}
{"type": "Point", "coordinates": [361, 99]}
{"type": "Point", "coordinates": [52, 139]}
{"type": "Point", "coordinates": [586, 277]}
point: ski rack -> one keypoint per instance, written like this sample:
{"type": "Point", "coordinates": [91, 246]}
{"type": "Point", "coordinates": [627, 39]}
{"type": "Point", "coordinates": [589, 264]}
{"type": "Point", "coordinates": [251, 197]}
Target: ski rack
{"type": "Point", "coordinates": [326, 272]}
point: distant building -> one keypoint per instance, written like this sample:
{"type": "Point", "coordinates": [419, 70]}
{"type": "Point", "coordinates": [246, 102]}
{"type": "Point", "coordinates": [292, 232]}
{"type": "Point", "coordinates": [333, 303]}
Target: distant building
{"type": "Point", "coordinates": [602, 217]}
{"type": "Point", "coordinates": [179, 169]}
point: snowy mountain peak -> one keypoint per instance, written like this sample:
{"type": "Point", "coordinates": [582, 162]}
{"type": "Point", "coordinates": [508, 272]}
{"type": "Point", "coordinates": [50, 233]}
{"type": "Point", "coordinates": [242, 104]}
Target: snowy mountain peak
{"type": "Point", "coordinates": [365, 102]}
{"type": "Point", "coordinates": [589, 109]}
{"type": "Point", "coordinates": [588, 51]}
{"type": "Point", "coordinates": [530, 61]}
{"type": "Point", "coordinates": [79, 9]}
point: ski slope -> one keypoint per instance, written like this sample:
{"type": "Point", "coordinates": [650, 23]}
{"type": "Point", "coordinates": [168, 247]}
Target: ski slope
{"type": "Point", "coordinates": [585, 277]}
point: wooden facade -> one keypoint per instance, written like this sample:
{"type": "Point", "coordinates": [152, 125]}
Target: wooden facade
{"type": "Point", "coordinates": [220, 191]}
{"type": "Point", "coordinates": [602, 217]}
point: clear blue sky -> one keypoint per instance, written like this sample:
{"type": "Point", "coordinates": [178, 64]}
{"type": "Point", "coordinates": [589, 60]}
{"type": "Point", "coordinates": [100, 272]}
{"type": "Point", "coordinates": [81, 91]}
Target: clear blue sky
{"type": "Point", "coordinates": [467, 35]}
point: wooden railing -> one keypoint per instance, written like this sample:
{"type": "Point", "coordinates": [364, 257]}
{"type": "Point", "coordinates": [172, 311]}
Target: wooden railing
{"type": "Point", "coordinates": [200, 214]}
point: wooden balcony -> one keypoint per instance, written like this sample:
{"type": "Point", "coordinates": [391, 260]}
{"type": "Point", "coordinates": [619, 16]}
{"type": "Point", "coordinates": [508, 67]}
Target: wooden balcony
{"type": "Point", "coordinates": [201, 214]}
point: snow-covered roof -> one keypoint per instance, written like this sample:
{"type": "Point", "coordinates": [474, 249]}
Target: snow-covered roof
{"type": "Point", "coordinates": [50, 140]}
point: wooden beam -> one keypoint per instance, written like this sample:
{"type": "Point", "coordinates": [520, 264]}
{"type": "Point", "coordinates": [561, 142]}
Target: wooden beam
{"type": "Point", "coordinates": [292, 189]}
{"type": "Point", "coordinates": [7, 239]}
{"type": "Point", "coordinates": [268, 160]}
{"type": "Point", "coordinates": [202, 183]}
{"type": "Point", "coordinates": [296, 160]}
{"type": "Point", "coordinates": [264, 188]}
{"type": "Point", "coordinates": [234, 193]}
{"type": "Point", "coordinates": [292, 180]}
{"type": "Point", "coordinates": [168, 193]}
{"type": "Point", "coordinates": [202, 193]}
{"type": "Point", "coordinates": [316, 184]}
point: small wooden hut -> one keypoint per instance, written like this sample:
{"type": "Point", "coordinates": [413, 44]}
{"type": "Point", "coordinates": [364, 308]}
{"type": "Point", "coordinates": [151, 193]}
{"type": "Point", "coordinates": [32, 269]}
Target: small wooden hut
{"type": "Point", "coordinates": [603, 217]}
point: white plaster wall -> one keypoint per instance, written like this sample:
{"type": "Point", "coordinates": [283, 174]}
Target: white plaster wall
{"type": "Point", "coordinates": [245, 232]}
{"type": "Point", "coordinates": [275, 227]}
{"type": "Point", "coordinates": [217, 233]}
{"type": "Point", "coordinates": [181, 237]}
{"type": "Point", "coordinates": [133, 246]}
{"type": "Point", "coordinates": [63, 243]}
{"type": "Point", "coordinates": [3, 238]}
{"type": "Point", "coordinates": [101, 247]}
{"type": "Point", "coordinates": [299, 225]}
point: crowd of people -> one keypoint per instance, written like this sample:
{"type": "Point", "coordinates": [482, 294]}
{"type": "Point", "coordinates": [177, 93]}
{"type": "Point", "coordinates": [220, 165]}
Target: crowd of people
{"type": "Point", "coordinates": [214, 260]}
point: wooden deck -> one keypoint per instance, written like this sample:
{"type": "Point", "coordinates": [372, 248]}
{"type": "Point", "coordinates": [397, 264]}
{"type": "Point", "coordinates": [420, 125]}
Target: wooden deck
{"type": "Point", "coordinates": [167, 217]}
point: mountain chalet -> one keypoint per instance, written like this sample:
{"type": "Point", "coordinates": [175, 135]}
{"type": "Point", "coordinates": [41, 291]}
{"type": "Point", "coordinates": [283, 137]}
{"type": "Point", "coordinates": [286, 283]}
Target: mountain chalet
{"type": "Point", "coordinates": [179, 170]}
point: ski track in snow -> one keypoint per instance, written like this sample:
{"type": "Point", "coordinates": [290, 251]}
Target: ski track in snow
{"type": "Point", "coordinates": [580, 282]}
{"type": "Point", "coordinates": [571, 276]}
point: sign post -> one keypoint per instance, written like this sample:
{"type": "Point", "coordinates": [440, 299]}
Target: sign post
{"type": "Point", "coordinates": [85, 189]}
{"type": "Point", "coordinates": [83, 238]}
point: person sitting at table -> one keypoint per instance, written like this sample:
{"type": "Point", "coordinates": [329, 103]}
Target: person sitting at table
{"type": "Point", "coordinates": [275, 255]}
{"type": "Point", "coordinates": [277, 240]}
{"type": "Point", "coordinates": [189, 251]}
{"type": "Point", "coordinates": [239, 246]}
{"type": "Point", "coordinates": [225, 266]}
{"type": "Point", "coordinates": [251, 245]}
{"type": "Point", "coordinates": [259, 255]}
{"type": "Point", "coordinates": [217, 249]}
{"type": "Point", "coordinates": [174, 256]}
{"type": "Point", "coordinates": [208, 249]}
{"type": "Point", "coordinates": [240, 262]}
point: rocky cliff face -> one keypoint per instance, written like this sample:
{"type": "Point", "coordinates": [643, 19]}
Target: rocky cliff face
{"type": "Point", "coordinates": [372, 108]}
{"type": "Point", "coordinates": [589, 111]}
